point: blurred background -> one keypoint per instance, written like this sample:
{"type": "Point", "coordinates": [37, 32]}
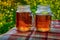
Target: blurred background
{"type": "Point", "coordinates": [8, 11]}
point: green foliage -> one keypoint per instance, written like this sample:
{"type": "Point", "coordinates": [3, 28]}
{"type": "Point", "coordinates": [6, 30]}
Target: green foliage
{"type": "Point", "coordinates": [7, 16]}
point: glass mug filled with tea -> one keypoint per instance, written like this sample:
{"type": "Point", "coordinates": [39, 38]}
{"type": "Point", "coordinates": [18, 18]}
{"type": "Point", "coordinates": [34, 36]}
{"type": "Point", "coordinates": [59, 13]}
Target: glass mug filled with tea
{"type": "Point", "coordinates": [23, 18]}
{"type": "Point", "coordinates": [43, 18]}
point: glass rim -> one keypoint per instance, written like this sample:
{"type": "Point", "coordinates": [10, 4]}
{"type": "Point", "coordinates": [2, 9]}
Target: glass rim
{"type": "Point", "coordinates": [42, 6]}
{"type": "Point", "coordinates": [23, 6]}
{"type": "Point", "coordinates": [43, 14]}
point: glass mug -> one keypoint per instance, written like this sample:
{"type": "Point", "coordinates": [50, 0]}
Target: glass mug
{"type": "Point", "coordinates": [23, 18]}
{"type": "Point", "coordinates": [43, 18]}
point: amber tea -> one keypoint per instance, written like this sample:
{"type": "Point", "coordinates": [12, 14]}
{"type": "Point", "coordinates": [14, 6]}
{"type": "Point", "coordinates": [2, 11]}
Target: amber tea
{"type": "Point", "coordinates": [43, 22]}
{"type": "Point", "coordinates": [23, 21]}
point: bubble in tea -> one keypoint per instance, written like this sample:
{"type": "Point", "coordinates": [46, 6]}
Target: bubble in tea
{"type": "Point", "coordinates": [43, 22]}
{"type": "Point", "coordinates": [23, 21]}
